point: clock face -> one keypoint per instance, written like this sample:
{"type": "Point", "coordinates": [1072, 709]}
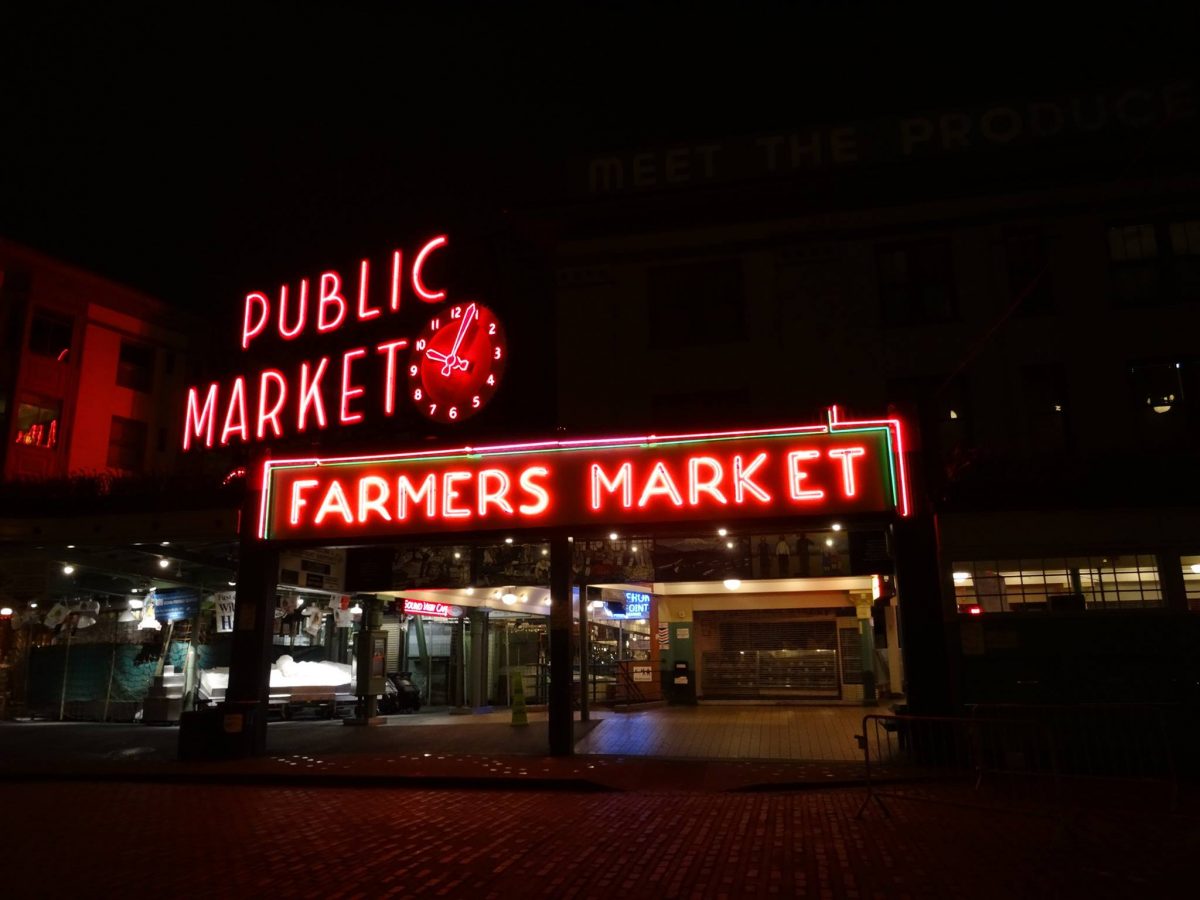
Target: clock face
{"type": "Point", "coordinates": [456, 363]}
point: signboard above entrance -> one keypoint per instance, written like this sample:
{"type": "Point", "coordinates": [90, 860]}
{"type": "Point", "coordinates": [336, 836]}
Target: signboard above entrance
{"type": "Point", "coordinates": [838, 468]}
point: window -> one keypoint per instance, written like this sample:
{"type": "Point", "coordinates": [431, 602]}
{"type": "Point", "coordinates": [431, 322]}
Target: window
{"type": "Point", "coordinates": [1155, 262]}
{"type": "Point", "coordinates": [916, 283]}
{"type": "Point", "coordinates": [1044, 390]}
{"type": "Point", "coordinates": [50, 334]}
{"type": "Point", "coordinates": [135, 367]}
{"type": "Point", "coordinates": [1072, 584]}
{"type": "Point", "coordinates": [38, 423]}
{"type": "Point", "coordinates": [696, 304]}
{"type": "Point", "coordinates": [1158, 389]}
{"type": "Point", "coordinates": [127, 444]}
{"type": "Point", "coordinates": [1029, 271]}
{"type": "Point", "coordinates": [1191, 581]}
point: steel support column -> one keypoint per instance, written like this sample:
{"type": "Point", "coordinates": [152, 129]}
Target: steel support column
{"type": "Point", "coordinates": [562, 726]}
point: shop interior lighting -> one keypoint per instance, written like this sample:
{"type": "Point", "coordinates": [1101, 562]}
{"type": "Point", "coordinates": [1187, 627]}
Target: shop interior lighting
{"type": "Point", "coordinates": [545, 552]}
{"type": "Point", "coordinates": [470, 590]}
{"type": "Point", "coordinates": [163, 563]}
{"type": "Point", "coordinates": [961, 576]}
{"type": "Point", "coordinates": [732, 584]}
{"type": "Point", "coordinates": [828, 542]}
{"type": "Point", "coordinates": [457, 555]}
{"type": "Point", "coordinates": [5, 611]}
{"type": "Point", "coordinates": [546, 602]}
{"type": "Point", "coordinates": [33, 604]}
{"type": "Point", "coordinates": [508, 540]}
{"type": "Point", "coordinates": [356, 609]}
{"type": "Point", "coordinates": [136, 602]}
{"type": "Point", "coordinates": [70, 546]}
{"type": "Point", "coordinates": [68, 570]}
{"type": "Point", "coordinates": [837, 526]}
{"type": "Point", "coordinates": [729, 544]}
{"type": "Point", "coordinates": [722, 532]}
{"type": "Point", "coordinates": [509, 598]}
{"type": "Point", "coordinates": [1196, 568]}
{"type": "Point", "coordinates": [165, 544]}
{"type": "Point", "coordinates": [230, 583]}
{"type": "Point", "coordinates": [612, 535]}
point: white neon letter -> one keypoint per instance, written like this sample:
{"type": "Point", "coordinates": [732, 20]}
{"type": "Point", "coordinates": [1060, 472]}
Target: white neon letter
{"type": "Point", "coordinates": [237, 404]}
{"type": "Point", "coordinates": [298, 487]}
{"type": "Point", "coordinates": [498, 496]}
{"type": "Point", "coordinates": [249, 332]}
{"type": "Point", "coordinates": [197, 421]}
{"type": "Point", "coordinates": [419, 263]}
{"type": "Point", "coordinates": [364, 276]}
{"type": "Point", "coordinates": [795, 476]}
{"type": "Point", "coordinates": [659, 484]}
{"type": "Point", "coordinates": [331, 293]}
{"type": "Point", "coordinates": [743, 479]}
{"type": "Point", "coordinates": [396, 265]}
{"type": "Point", "coordinates": [389, 349]}
{"type": "Point", "coordinates": [847, 455]}
{"type": "Point", "coordinates": [709, 486]}
{"type": "Point", "coordinates": [335, 502]}
{"type": "Point", "coordinates": [350, 391]}
{"type": "Point", "coordinates": [310, 394]}
{"type": "Point", "coordinates": [623, 480]}
{"type": "Point", "coordinates": [367, 503]}
{"type": "Point", "coordinates": [450, 494]}
{"type": "Point", "coordinates": [300, 316]}
{"type": "Point", "coordinates": [541, 495]}
{"type": "Point", "coordinates": [405, 492]}
{"type": "Point", "coordinates": [276, 377]}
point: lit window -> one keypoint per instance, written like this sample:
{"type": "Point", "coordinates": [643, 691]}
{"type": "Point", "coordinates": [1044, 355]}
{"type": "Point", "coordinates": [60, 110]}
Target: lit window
{"type": "Point", "coordinates": [1191, 581]}
{"type": "Point", "coordinates": [1157, 388]}
{"type": "Point", "coordinates": [1073, 584]}
{"type": "Point", "coordinates": [38, 424]}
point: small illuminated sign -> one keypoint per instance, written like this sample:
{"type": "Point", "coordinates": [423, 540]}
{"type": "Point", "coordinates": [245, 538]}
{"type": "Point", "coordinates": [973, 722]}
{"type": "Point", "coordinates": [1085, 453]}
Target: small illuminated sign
{"type": "Point", "coordinates": [453, 365]}
{"type": "Point", "coordinates": [637, 606]}
{"type": "Point", "coordinates": [431, 608]}
{"type": "Point", "coordinates": [838, 468]}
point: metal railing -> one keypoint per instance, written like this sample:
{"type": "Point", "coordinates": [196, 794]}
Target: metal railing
{"type": "Point", "coordinates": [1042, 760]}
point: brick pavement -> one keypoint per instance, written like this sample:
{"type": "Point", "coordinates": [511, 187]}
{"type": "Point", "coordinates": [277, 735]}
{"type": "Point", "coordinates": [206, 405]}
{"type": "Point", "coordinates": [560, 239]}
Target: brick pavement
{"type": "Point", "coordinates": [121, 840]}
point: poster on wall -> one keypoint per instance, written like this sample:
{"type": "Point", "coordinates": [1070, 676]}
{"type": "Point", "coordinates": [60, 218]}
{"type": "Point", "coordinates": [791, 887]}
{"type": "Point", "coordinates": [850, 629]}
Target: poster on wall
{"type": "Point", "coordinates": [512, 564]}
{"type": "Point", "coordinates": [431, 567]}
{"type": "Point", "coordinates": [620, 560]}
{"type": "Point", "coordinates": [174, 604]}
{"type": "Point", "coordinates": [319, 569]}
{"type": "Point", "coordinates": [701, 558]}
{"type": "Point", "coordinates": [224, 605]}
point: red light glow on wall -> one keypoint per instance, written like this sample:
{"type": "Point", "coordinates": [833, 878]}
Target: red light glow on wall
{"type": "Point", "coordinates": [839, 468]}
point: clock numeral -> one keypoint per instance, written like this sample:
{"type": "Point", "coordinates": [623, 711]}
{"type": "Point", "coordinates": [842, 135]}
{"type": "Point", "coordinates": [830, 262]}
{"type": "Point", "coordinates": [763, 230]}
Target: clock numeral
{"type": "Point", "coordinates": [475, 402]}
{"type": "Point", "coordinates": [498, 353]}
{"type": "Point", "coordinates": [421, 345]}
{"type": "Point", "coordinates": [417, 394]}
{"type": "Point", "coordinates": [435, 324]}
{"type": "Point", "coordinates": [432, 408]}
{"type": "Point", "coordinates": [491, 379]}
{"type": "Point", "coordinates": [456, 313]}
{"type": "Point", "coordinates": [412, 370]}
{"type": "Point", "coordinates": [492, 328]}
{"type": "Point", "coordinates": [453, 412]}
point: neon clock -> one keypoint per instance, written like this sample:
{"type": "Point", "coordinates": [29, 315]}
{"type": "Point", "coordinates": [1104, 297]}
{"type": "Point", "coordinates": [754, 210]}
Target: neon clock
{"type": "Point", "coordinates": [457, 362]}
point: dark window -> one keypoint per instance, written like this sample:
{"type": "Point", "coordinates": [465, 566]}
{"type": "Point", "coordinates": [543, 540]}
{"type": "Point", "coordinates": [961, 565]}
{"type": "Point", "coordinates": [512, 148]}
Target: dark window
{"type": "Point", "coordinates": [696, 304]}
{"type": "Point", "coordinates": [38, 423]}
{"type": "Point", "coordinates": [1155, 263]}
{"type": "Point", "coordinates": [1158, 389]}
{"type": "Point", "coordinates": [162, 440]}
{"type": "Point", "coordinates": [127, 444]}
{"type": "Point", "coordinates": [685, 410]}
{"type": "Point", "coordinates": [50, 334]}
{"type": "Point", "coordinates": [916, 282]}
{"type": "Point", "coordinates": [135, 368]}
{"type": "Point", "coordinates": [942, 408]}
{"type": "Point", "coordinates": [1044, 390]}
{"type": "Point", "coordinates": [1029, 272]}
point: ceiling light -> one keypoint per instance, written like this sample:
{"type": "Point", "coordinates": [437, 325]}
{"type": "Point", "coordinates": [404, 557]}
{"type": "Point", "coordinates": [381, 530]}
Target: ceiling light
{"type": "Point", "coordinates": [961, 576]}
{"type": "Point", "coordinates": [837, 526]}
{"type": "Point", "coordinates": [165, 544]}
{"type": "Point", "coordinates": [729, 544]}
{"type": "Point", "coordinates": [722, 531]}
{"type": "Point", "coordinates": [544, 551]}
{"type": "Point", "coordinates": [828, 542]}
{"type": "Point", "coordinates": [135, 590]}
{"type": "Point", "coordinates": [136, 602]}
{"type": "Point", "coordinates": [470, 590]}
{"type": "Point", "coordinates": [68, 570]}
{"type": "Point", "coordinates": [33, 604]}
{"type": "Point", "coordinates": [509, 599]}
{"type": "Point", "coordinates": [457, 555]}
{"type": "Point", "coordinates": [356, 609]}
{"type": "Point", "coordinates": [163, 563]}
{"type": "Point", "coordinates": [732, 584]}
{"type": "Point", "coordinates": [612, 535]}
{"type": "Point", "coordinates": [299, 602]}
{"type": "Point", "coordinates": [508, 540]}
{"type": "Point", "coordinates": [127, 616]}
{"type": "Point", "coordinates": [5, 610]}
{"type": "Point", "coordinates": [232, 583]}
{"type": "Point", "coordinates": [1196, 568]}
{"type": "Point", "coordinates": [546, 602]}
{"type": "Point", "coordinates": [70, 546]}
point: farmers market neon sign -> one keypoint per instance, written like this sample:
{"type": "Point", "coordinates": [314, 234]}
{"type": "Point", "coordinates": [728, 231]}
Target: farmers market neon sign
{"type": "Point", "coordinates": [840, 467]}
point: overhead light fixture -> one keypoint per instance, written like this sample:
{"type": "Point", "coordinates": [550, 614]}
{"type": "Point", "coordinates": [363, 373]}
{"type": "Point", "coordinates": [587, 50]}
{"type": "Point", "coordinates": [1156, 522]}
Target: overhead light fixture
{"type": "Point", "coordinates": [127, 616]}
{"type": "Point", "coordinates": [837, 526]}
{"type": "Point", "coordinates": [68, 570]}
{"type": "Point", "coordinates": [231, 583]}
{"type": "Point", "coordinates": [509, 598]}
{"type": "Point", "coordinates": [1196, 568]}
{"type": "Point", "coordinates": [5, 611]}
{"type": "Point", "coordinates": [612, 535]}
{"type": "Point", "coordinates": [545, 552]}
{"type": "Point", "coordinates": [828, 542]}
{"type": "Point", "coordinates": [165, 544]}
{"type": "Point", "coordinates": [457, 555]}
{"type": "Point", "coordinates": [722, 531]}
{"type": "Point", "coordinates": [163, 563]}
{"type": "Point", "coordinates": [508, 540]}
{"type": "Point", "coordinates": [961, 576]}
{"type": "Point", "coordinates": [33, 604]}
{"type": "Point", "coordinates": [136, 602]}
{"type": "Point", "coordinates": [299, 602]}
{"type": "Point", "coordinates": [70, 546]}
{"type": "Point", "coordinates": [470, 590]}
{"type": "Point", "coordinates": [546, 602]}
{"type": "Point", "coordinates": [729, 544]}
{"type": "Point", "coordinates": [732, 584]}
{"type": "Point", "coordinates": [356, 609]}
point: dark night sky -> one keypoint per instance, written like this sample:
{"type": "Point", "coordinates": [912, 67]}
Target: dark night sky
{"type": "Point", "coordinates": [189, 156]}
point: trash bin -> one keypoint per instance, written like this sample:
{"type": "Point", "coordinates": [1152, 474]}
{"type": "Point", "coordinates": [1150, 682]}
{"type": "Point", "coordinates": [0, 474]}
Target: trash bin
{"type": "Point", "coordinates": [683, 685]}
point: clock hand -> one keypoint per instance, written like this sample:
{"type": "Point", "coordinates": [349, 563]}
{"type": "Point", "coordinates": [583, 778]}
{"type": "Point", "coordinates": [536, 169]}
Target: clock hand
{"type": "Point", "coordinates": [451, 360]}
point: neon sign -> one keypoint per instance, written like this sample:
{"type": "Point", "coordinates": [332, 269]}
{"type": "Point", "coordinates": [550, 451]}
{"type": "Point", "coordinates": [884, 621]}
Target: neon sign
{"type": "Point", "coordinates": [431, 608]}
{"type": "Point", "coordinates": [841, 467]}
{"type": "Point", "coordinates": [457, 360]}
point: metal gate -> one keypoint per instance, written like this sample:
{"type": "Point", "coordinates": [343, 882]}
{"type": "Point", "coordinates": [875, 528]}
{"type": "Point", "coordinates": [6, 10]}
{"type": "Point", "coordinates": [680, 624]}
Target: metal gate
{"type": "Point", "coordinates": [760, 656]}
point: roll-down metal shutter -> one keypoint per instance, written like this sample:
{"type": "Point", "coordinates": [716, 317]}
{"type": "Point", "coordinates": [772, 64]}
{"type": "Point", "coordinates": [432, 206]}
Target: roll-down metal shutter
{"type": "Point", "coordinates": [762, 658]}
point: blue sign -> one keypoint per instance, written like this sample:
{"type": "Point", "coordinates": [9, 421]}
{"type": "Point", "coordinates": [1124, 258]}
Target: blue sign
{"type": "Point", "coordinates": [173, 604]}
{"type": "Point", "coordinates": [637, 605]}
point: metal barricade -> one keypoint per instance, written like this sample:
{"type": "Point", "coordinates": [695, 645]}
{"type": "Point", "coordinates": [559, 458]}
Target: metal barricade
{"type": "Point", "coordinates": [1038, 760]}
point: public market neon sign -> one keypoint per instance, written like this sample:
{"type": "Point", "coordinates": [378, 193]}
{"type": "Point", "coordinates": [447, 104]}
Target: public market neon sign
{"type": "Point", "coordinates": [840, 467]}
{"type": "Point", "coordinates": [451, 370]}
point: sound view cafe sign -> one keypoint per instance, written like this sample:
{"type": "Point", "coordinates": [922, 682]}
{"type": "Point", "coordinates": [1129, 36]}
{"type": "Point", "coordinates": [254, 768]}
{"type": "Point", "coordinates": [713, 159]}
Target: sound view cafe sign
{"type": "Point", "coordinates": [448, 371]}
